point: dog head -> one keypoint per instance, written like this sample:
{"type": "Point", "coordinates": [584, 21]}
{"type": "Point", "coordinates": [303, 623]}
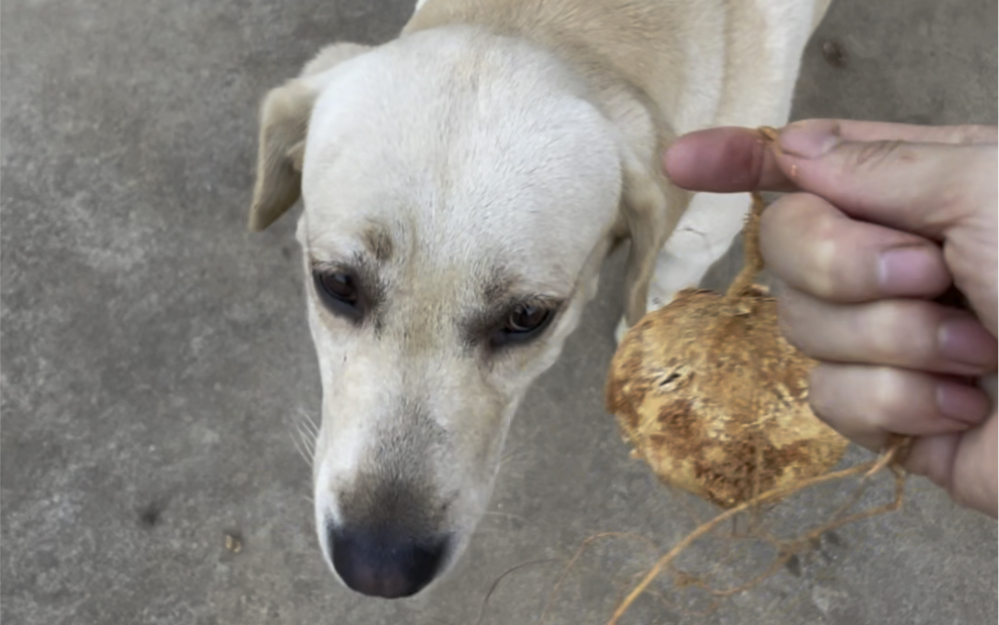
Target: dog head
{"type": "Point", "coordinates": [460, 192]}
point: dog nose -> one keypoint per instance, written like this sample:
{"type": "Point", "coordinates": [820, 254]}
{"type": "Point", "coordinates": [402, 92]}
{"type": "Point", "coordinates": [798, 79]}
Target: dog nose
{"type": "Point", "coordinates": [385, 564]}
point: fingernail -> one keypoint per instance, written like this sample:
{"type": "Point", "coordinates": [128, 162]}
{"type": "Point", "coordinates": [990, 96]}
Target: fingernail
{"type": "Point", "coordinates": [810, 139]}
{"type": "Point", "coordinates": [904, 270]}
{"type": "Point", "coordinates": [964, 340]}
{"type": "Point", "coordinates": [962, 403]}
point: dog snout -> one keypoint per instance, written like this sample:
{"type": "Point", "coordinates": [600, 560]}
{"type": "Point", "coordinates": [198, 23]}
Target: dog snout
{"type": "Point", "coordinates": [388, 564]}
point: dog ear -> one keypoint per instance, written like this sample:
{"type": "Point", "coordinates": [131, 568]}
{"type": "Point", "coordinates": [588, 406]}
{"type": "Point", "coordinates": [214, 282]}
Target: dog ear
{"type": "Point", "coordinates": [284, 118]}
{"type": "Point", "coordinates": [651, 208]}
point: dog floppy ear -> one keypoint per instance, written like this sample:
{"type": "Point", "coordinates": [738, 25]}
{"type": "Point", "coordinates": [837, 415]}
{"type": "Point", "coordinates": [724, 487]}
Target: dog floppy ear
{"type": "Point", "coordinates": [284, 118]}
{"type": "Point", "coordinates": [651, 209]}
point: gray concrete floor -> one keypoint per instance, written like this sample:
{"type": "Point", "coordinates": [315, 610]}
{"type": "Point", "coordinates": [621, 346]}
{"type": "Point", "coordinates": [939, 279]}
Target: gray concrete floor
{"type": "Point", "coordinates": [154, 352]}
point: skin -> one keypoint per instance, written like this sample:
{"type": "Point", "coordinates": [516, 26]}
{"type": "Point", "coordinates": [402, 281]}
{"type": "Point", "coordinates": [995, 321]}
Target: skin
{"type": "Point", "coordinates": [880, 219]}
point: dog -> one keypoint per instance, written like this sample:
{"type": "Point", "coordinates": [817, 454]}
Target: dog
{"type": "Point", "coordinates": [462, 185]}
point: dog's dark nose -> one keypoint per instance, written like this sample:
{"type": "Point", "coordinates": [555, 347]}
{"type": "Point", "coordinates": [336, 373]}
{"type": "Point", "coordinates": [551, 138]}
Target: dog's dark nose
{"type": "Point", "coordinates": [385, 564]}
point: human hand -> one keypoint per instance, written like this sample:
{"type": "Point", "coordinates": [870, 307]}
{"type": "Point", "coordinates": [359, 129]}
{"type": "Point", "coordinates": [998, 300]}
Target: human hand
{"type": "Point", "coordinates": [881, 219]}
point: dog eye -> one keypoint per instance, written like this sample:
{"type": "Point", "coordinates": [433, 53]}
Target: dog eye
{"type": "Point", "coordinates": [525, 322]}
{"type": "Point", "coordinates": [338, 292]}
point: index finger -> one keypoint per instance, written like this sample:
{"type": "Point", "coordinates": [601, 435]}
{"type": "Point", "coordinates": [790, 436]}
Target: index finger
{"type": "Point", "coordinates": [733, 159]}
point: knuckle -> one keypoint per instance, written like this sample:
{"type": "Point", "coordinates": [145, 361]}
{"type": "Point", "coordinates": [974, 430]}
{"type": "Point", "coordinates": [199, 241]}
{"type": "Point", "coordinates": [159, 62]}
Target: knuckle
{"type": "Point", "coordinates": [842, 263]}
{"type": "Point", "coordinates": [887, 393]}
{"type": "Point", "coordinates": [772, 220]}
{"type": "Point", "coordinates": [803, 242]}
{"type": "Point", "coordinates": [955, 196]}
{"type": "Point", "coordinates": [789, 320]}
{"type": "Point", "coordinates": [818, 393]}
{"type": "Point", "coordinates": [895, 333]}
{"type": "Point", "coordinates": [974, 179]}
{"type": "Point", "coordinates": [826, 272]}
{"type": "Point", "coordinates": [871, 154]}
{"type": "Point", "coordinates": [876, 331]}
{"type": "Point", "coordinates": [966, 134]}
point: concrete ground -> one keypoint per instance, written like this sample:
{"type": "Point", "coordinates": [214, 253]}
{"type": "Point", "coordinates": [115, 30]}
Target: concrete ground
{"type": "Point", "coordinates": [154, 353]}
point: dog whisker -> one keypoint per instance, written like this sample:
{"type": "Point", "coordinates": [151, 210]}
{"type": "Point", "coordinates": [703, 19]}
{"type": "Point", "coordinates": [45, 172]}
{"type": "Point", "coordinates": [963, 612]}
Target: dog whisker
{"type": "Point", "coordinates": [301, 448]}
{"type": "Point", "coordinates": [309, 447]}
{"type": "Point", "coordinates": [513, 457]}
{"type": "Point", "coordinates": [303, 432]}
{"type": "Point", "coordinates": [307, 437]}
{"type": "Point", "coordinates": [309, 423]}
{"type": "Point", "coordinates": [302, 417]}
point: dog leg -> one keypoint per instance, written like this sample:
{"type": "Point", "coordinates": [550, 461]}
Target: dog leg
{"type": "Point", "coordinates": [704, 235]}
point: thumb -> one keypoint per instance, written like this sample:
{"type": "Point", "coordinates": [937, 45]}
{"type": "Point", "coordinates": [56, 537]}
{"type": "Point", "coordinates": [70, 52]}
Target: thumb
{"type": "Point", "coordinates": [923, 188]}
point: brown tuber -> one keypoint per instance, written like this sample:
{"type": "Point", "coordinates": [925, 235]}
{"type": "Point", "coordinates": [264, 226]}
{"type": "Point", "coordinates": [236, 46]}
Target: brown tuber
{"type": "Point", "coordinates": [714, 398]}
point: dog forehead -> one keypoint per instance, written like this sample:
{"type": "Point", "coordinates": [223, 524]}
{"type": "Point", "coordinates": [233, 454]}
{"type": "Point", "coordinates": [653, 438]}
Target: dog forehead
{"type": "Point", "coordinates": [463, 153]}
